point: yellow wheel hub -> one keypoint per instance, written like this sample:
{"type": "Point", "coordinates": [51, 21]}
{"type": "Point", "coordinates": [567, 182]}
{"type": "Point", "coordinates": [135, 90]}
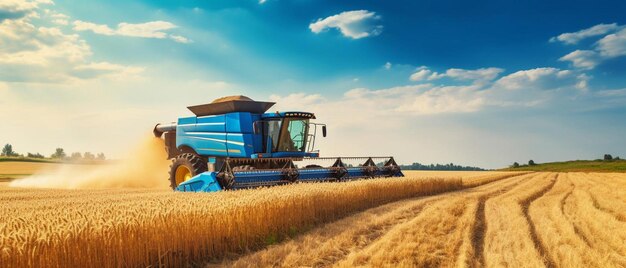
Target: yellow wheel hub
{"type": "Point", "coordinates": [183, 174]}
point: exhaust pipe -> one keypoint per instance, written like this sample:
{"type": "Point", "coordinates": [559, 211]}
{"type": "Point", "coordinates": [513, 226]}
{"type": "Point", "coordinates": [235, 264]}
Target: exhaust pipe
{"type": "Point", "coordinates": [159, 129]}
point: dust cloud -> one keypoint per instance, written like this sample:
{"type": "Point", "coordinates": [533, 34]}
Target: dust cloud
{"type": "Point", "coordinates": [142, 167]}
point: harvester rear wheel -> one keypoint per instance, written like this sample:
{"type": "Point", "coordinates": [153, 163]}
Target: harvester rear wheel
{"type": "Point", "coordinates": [186, 166]}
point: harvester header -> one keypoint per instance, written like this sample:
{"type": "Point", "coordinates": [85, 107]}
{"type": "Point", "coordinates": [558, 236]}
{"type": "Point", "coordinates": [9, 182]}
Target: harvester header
{"type": "Point", "coordinates": [234, 143]}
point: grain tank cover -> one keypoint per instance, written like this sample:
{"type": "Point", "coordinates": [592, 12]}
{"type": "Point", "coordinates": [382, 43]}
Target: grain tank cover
{"type": "Point", "coordinates": [231, 104]}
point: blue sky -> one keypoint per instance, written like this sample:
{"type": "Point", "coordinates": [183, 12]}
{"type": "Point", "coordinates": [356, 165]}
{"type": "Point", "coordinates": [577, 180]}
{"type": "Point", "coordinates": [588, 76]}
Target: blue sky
{"type": "Point", "coordinates": [480, 83]}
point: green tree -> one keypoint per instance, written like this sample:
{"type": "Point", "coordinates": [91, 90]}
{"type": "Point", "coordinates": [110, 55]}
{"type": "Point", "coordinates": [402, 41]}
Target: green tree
{"type": "Point", "coordinates": [7, 150]}
{"type": "Point", "coordinates": [608, 157]}
{"type": "Point", "coordinates": [76, 156]}
{"type": "Point", "coordinates": [531, 162]}
{"type": "Point", "coordinates": [59, 153]}
{"type": "Point", "coordinates": [89, 156]}
{"type": "Point", "coordinates": [35, 155]}
{"type": "Point", "coordinates": [515, 165]}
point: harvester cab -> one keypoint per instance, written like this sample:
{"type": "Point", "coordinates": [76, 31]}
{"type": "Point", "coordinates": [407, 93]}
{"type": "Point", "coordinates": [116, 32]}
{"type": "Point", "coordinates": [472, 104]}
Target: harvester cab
{"type": "Point", "coordinates": [234, 143]}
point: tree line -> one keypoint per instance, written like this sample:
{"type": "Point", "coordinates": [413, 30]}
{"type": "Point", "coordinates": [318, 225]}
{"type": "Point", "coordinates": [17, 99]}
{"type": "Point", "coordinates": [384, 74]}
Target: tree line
{"type": "Point", "coordinates": [59, 153]}
{"type": "Point", "coordinates": [451, 166]}
{"type": "Point", "coordinates": [607, 157]}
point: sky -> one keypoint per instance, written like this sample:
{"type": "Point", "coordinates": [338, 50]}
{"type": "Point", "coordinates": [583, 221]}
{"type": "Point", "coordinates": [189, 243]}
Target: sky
{"type": "Point", "coordinates": [481, 83]}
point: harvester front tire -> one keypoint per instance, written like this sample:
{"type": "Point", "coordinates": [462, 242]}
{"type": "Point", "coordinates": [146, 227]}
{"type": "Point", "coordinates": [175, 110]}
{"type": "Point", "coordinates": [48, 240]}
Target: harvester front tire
{"type": "Point", "coordinates": [193, 163]}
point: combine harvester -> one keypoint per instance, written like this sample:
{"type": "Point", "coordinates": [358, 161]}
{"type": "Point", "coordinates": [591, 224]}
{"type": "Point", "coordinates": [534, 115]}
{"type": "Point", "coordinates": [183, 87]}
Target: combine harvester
{"type": "Point", "coordinates": [232, 143]}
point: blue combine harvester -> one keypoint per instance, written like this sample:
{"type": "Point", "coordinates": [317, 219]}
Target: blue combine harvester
{"type": "Point", "coordinates": [232, 143]}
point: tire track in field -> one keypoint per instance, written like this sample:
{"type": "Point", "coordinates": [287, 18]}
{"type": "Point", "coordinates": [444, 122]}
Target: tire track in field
{"type": "Point", "coordinates": [597, 205]}
{"type": "Point", "coordinates": [562, 202]}
{"type": "Point", "coordinates": [525, 204]}
{"type": "Point", "coordinates": [577, 230]}
{"type": "Point", "coordinates": [479, 227]}
{"type": "Point", "coordinates": [478, 233]}
{"type": "Point", "coordinates": [585, 216]}
{"type": "Point", "coordinates": [334, 236]}
{"type": "Point", "coordinates": [453, 211]}
{"type": "Point", "coordinates": [333, 242]}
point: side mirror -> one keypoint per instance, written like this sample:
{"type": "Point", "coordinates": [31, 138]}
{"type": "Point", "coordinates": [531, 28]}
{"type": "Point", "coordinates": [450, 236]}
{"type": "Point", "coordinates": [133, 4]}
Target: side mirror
{"type": "Point", "coordinates": [324, 131]}
{"type": "Point", "coordinates": [256, 127]}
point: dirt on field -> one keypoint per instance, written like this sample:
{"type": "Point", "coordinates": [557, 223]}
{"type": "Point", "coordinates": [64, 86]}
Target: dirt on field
{"type": "Point", "coordinates": [142, 167]}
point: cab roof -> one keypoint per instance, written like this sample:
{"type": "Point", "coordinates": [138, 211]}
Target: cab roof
{"type": "Point", "coordinates": [296, 114]}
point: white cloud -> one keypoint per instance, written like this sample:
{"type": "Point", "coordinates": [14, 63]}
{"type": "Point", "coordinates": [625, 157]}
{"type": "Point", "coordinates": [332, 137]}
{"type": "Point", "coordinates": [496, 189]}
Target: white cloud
{"type": "Point", "coordinates": [538, 78]}
{"type": "Point", "coordinates": [421, 74]}
{"type": "Point", "coordinates": [481, 75]}
{"type": "Point", "coordinates": [262, 1]}
{"type": "Point", "coordinates": [15, 9]}
{"type": "Point", "coordinates": [613, 45]}
{"type": "Point", "coordinates": [354, 24]}
{"type": "Point", "coordinates": [180, 39]}
{"type": "Point", "coordinates": [387, 65]}
{"type": "Point", "coordinates": [58, 18]}
{"type": "Point", "coordinates": [584, 59]}
{"type": "Point", "coordinates": [575, 37]}
{"type": "Point", "coordinates": [95, 28]}
{"type": "Point", "coordinates": [610, 46]}
{"type": "Point", "coordinates": [153, 29]}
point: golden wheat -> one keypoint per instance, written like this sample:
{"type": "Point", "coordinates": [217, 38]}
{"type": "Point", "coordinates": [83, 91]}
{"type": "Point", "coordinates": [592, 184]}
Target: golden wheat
{"type": "Point", "coordinates": [530, 220]}
{"type": "Point", "coordinates": [112, 228]}
{"type": "Point", "coordinates": [416, 232]}
{"type": "Point", "coordinates": [565, 247]}
{"type": "Point", "coordinates": [515, 221]}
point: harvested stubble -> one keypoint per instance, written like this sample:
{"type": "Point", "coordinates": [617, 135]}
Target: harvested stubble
{"type": "Point", "coordinates": [113, 228]}
{"type": "Point", "coordinates": [435, 231]}
{"type": "Point", "coordinates": [532, 220]}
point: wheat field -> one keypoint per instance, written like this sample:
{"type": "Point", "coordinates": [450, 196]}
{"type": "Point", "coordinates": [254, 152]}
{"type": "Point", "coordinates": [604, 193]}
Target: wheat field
{"type": "Point", "coordinates": [530, 220]}
{"type": "Point", "coordinates": [466, 220]}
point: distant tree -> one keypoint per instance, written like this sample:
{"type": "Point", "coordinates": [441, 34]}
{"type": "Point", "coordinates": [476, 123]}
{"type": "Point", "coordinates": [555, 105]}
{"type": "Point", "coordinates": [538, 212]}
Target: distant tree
{"type": "Point", "coordinates": [89, 156]}
{"type": "Point", "coordinates": [451, 166]}
{"type": "Point", "coordinates": [608, 157]}
{"type": "Point", "coordinates": [531, 162]}
{"type": "Point", "coordinates": [59, 153]}
{"type": "Point", "coordinates": [35, 155]}
{"type": "Point", "coordinates": [76, 156]}
{"type": "Point", "coordinates": [101, 156]}
{"type": "Point", "coordinates": [7, 150]}
{"type": "Point", "coordinates": [617, 158]}
{"type": "Point", "coordinates": [515, 165]}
